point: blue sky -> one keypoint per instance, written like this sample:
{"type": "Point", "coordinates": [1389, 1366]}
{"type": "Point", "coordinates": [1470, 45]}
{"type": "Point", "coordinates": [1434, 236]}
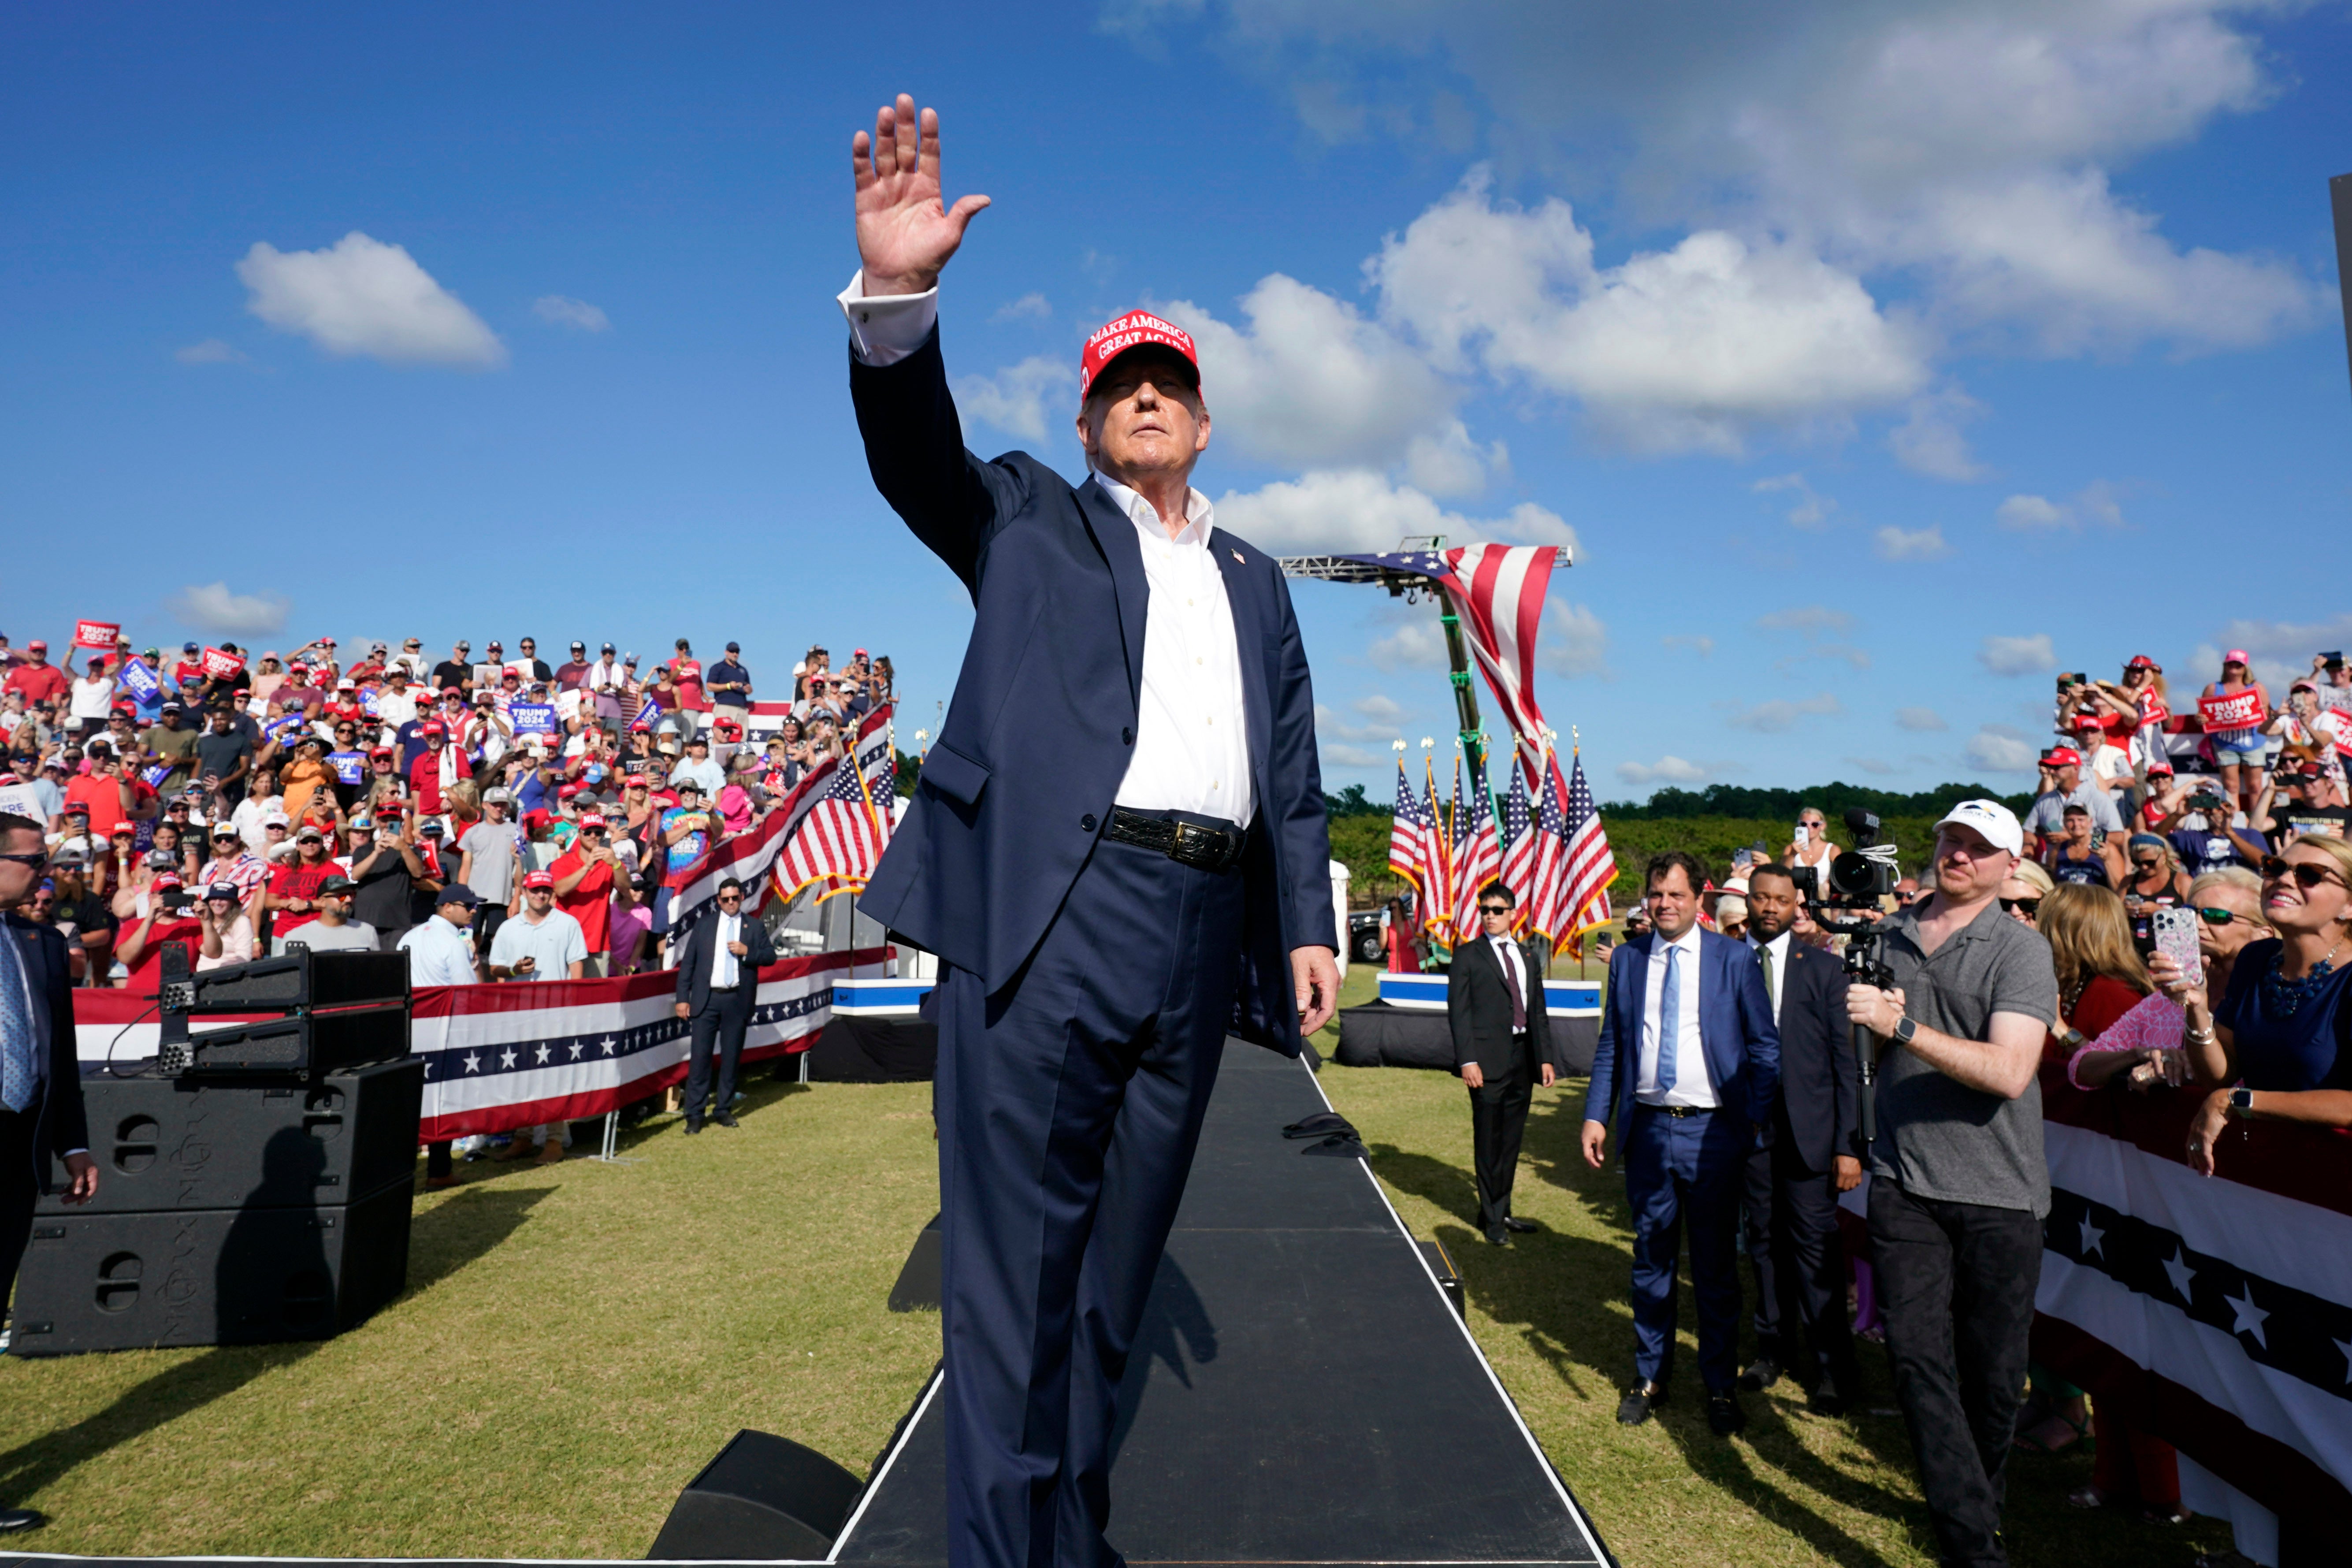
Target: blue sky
{"type": "Point", "coordinates": [1878, 361]}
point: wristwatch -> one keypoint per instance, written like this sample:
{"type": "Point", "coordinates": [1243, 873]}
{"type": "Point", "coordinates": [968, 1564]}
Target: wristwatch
{"type": "Point", "coordinates": [2241, 1102]}
{"type": "Point", "coordinates": [1906, 1027]}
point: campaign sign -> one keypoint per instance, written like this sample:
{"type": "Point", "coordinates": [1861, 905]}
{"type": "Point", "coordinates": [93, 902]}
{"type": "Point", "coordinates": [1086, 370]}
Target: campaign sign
{"type": "Point", "coordinates": [2238, 711]}
{"type": "Point", "coordinates": [371, 701]}
{"type": "Point", "coordinates": [20, 799]}
{"type": "Point", "coordinates": [282, 728]}
{"type": "Point", "coordinates": [156, 774]}
{"type": "Point", "coordinates": [567, 704]}
{"type": "Point", "coordinates": [97, 633]}
{"type": "Point", "coordinates": [532, 717]}
{"type": "Point", "coordinates": [219, 666]}
{"type": "Point", "coordinates": [351, 767]}
{"type": "Point", "coordinates": [140, 681]}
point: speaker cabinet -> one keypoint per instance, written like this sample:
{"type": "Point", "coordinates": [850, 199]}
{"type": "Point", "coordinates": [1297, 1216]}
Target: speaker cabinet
{"type": "Point", "coordinates": [172, 1143]}
{"type": "Point", "coordinates": [764, 1498]}
{"type": "Point", "coordinates": [209, 1277]}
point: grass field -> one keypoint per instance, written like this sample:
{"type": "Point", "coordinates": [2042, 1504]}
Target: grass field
{"type": "Point", "coordinates": [577, 1341]}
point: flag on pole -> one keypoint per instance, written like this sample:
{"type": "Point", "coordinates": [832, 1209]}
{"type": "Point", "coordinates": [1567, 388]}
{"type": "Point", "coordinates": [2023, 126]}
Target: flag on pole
{"type": "Point", "coordinates": [1519, 846]}
{"type": "Point", "coordinates": [1436, 865]}
{"type": "Point", "coordinates": [835, 848]}
{"type": "Point", "coordinates": [1477, 857]}
{"type": "Point", "coordinates": [1577, 889]}
{"type": "Point", "coordinates": [1408, 831]}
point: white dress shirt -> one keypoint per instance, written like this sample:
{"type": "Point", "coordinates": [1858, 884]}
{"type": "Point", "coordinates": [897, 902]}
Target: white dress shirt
{"type": "Point", "coordinates": [725, 969]}
{"type": "Point", "coordinates": [1692, 1085]}
{"type": "Point", "coordinates": [1776, 954]}
{"type": "Point", "coordinates": [1514, 965]}
{"type": "Point", "coordinates": [1191, 746]}
{"type": "Point", "coordinates": [440, 953]}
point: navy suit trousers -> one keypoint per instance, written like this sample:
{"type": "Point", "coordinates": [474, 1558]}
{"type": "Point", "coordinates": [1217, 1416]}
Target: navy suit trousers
{"type": "Point", "coordinates": [1069, 1103]}
{"type": "Point", "coordinates": [1686, 1171]}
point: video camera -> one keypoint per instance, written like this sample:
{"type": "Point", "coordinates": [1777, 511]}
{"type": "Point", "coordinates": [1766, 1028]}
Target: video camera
{"type": "Point", "coordinates": [1858, 878]}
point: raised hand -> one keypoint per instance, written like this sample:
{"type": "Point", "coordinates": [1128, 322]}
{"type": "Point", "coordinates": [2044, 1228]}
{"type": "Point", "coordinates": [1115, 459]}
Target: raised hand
{"type": "Point", "coordinates": [905, 233]}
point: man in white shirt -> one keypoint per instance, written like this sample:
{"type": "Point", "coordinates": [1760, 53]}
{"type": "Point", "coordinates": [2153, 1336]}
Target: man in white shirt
{"type": "Point", "coordinates": [543, 942]}
{"type": "Point", "coordinates": [1686, 1066]}
{"type": "Point", "coordinates": [440, 953]}
{"type": "Point", "coordinates": [1502, 1048]}
{"type": "Point", "coordinates": [699, 766]}
{"type": "Point", "coordinates": [1083, 836]}
{"type": "Point", "coordinates": [717, 981]}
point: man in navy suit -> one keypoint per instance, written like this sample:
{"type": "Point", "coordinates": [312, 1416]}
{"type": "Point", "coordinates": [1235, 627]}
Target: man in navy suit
{"type": "Point", "coordinates": [41, 1069]}
{"type": "Point", "coordinates": [1116, 849]}
{"type": "Point", "coordinates": [1686, 1066]}
{"type": "Point", "coordinates": [1807, 1153]}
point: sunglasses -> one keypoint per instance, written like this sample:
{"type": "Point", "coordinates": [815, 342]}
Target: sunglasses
{"type": "Point", "coordinates": [35, 858]}
{"type": "Point", "coordinates": [730, 898]}
{"type": "Point", "coordinates": [2306, 874]}
{"type": "Point", "coordinates": [2144, 865]}
{"type": "Point", "coordinates": [2213, 917]}
{"type": "Point", "coordinates": [2030, 906]}
{"type": "Point", "coordinates": [1494, 908]}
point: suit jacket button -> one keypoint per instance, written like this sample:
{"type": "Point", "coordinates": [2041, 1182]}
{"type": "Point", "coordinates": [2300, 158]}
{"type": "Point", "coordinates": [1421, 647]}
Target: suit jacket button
{"type": "Point", "coordinates": [1088, 822]}
{"type": "Point", "coordinates": [1126, 737]}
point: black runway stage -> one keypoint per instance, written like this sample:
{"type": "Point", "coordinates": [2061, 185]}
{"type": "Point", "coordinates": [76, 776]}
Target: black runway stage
{"type": "Point", "coordinates": [1302, 1392]}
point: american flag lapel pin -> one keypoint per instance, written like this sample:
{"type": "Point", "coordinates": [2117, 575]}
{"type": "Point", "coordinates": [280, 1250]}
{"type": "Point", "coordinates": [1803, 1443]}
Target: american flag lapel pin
{"type": "Point", "coordinates": [1237, 559]}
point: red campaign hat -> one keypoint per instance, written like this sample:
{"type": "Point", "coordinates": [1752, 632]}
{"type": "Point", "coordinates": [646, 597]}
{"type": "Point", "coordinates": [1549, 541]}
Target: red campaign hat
{"type": "Point", "coordinates": [381, 751]}
{"type": "Point", "coordinates": [433, 727]}
{"type": "Point", "coordinates": [593, 819]}
{"type": "Point", "coordinates": [2087, 722]}
{"type": "Point", "coordinates": [641, 728]}
{"type": "Point", "coordinates": [538, 880]}
{"type": "Point", "coordinates": [2141, 661]}
{"type": "Point", "coordinates": [1132, 331]}
{"type": "Point", "coordinates": [2063, 757]}
{"type": "Point", "coordinates": [566, 792]}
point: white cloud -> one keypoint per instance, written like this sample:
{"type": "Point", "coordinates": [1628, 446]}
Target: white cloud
{"type": "Point", "coordinates": [1781, 715]}
{"type": "Point", "coordinates": [1701, 646]}
{"type": "Point", "coordinates": [1812, 509]}
{"type": "Point", "coordinates": [1965, 144]}
{"type": "Point", "coordinates": [1029, 307]}
{"type": "Point", "coordinates": [2098, 501]}
{"type": "Point", "coordinates": [2022, 512]}
{"type": "Point", "coordinates": [1025, 399]}
{"type": "Point", "coordinates": [1381, 708]}
{"type": "Point", "coordinates": [1875, 764]}
{"type": "Point", "coordinates": [1998, 748]}
{"type": "Point", "coordinates": [1813, 620]}
{"type": "Point", "coordinates": [1919, 719]}
{"type": "Point", "coordinates": [211, 607]}
{"type": "Point", "coordinates": [1358, 509]}
{"type": "Point", "coordinates": [212, 351]}
{"type": "Point", "coordinates": [1667, 770]}
{"type": "Point", "coordinates": [1892, 544]}
{"type": "Point", "coordinates": [1417, 644]}
{"type": "Point", "coordinates": [2018, 656]}
{"type": "Point", "coordinates": [361, 296]}
{"type": "Point", "coordinates": [2281, 650]}
{"type": "Point", "coordinates": [1929, 440]}
{"type": "Point", "coordinates": [564, 311]}
{"type": "Point", "coordinates": [1572, 640]}
{"type": "Point", "coordinates": [1696, 347]}
{"type": "Point", "coordinates": [1310, 382]}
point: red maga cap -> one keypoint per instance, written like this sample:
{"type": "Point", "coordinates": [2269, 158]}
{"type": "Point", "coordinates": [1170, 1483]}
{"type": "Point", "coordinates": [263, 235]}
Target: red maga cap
{"type": "Point", "coordinates": [533, 880]}
{"type": "Point", "coordinates": [1132, 331]}
{"type": "Point", "coordinates": [2063, 757]}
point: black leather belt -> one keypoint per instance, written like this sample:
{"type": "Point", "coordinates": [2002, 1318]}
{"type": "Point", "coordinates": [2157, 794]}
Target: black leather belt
{"type": "Point", "coordinates": [1677, 1111]}
{"type": "Point", "coordinates": [1187, 843]}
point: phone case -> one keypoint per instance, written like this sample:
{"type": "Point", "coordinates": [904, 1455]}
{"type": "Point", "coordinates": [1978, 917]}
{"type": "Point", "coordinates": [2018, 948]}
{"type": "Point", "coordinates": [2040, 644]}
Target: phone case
{"type": "Point", "coordinates": [2176, 935]}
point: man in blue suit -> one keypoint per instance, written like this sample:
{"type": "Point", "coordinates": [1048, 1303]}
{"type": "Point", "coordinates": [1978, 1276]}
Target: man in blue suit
{"type": "Point", "coordinates": [1686, 1066]}
{"type": "Point", "coordinates": [1117, 850]}
{"type": "Point", "coordinates": [41, 1069]}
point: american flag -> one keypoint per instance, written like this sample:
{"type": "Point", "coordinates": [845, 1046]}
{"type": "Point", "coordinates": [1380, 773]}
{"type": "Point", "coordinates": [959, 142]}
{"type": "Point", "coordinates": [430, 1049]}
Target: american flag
{"type": "Point", "coordinates": [1573, 864]}
{"type": "Point", "coordinates": [1408, 831]}
{"type": "Point", "coordinates": [1518, 845]}
{"type": "Point", "coordinates": [1436, 866]}
{"type": "Point", "coordinates": [1477, 857]}
{"type": "Point", "coordinates": [838, 845]}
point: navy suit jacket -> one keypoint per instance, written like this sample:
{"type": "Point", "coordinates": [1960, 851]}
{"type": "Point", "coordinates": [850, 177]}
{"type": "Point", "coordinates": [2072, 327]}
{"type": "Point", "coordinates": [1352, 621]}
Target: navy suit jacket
{"type": "Point", "coordinates": [1019, 784]}
{"type": "Point", "coordinates": [693, 959]}
{"type": "Point", "coordinates": [1821, 1095]}
{"type": "Point", "coordinates": [56, 1058]}
{"type": "Point", "coordinates": [1735, 1027]}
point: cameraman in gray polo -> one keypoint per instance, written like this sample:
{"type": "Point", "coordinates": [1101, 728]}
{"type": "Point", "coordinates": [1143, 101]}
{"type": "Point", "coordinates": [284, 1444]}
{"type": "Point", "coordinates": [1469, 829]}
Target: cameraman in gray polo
{"type": "Point", "coordinates": [1959, 1185]}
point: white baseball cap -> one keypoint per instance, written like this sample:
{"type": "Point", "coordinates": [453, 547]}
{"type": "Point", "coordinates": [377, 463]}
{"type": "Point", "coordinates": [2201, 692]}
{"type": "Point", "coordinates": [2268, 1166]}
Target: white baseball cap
{"type": "Point", "coordinates": [1993, 821]}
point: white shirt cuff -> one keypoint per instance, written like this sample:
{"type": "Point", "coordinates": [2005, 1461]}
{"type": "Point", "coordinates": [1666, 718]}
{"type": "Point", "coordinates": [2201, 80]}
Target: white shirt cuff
{"type": "Point", "coordinates": [886, 328]}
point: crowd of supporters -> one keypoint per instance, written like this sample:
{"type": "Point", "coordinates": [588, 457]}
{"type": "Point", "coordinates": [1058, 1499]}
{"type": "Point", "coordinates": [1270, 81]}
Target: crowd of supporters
{"type": "Point", "coordinates": [228, 802]}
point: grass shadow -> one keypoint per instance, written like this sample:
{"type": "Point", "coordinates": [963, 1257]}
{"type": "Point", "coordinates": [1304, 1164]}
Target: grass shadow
{"type": "Point", "coordinates": [451, 1234]}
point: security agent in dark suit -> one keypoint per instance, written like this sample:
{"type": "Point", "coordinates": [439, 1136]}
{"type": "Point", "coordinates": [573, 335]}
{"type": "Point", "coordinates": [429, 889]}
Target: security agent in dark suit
{"type": "Point", "coordinates": [1684, 1068]}
{"type": "Point", "coordinates": [717, 981]}
{"type": "Point", "coordinates": [1502, 1047]}
{"type": "Point", "coordinates": [1116, 849]}
{"type": "Point", "coordinates": [1804, 1157]}
{"type": "Point", "coordinates": [41, 1069]}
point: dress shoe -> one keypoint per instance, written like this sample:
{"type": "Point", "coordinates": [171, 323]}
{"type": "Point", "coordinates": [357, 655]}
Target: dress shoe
{"type": "Point", "coordinates": [1828, 1400]}
{"type": "Point", "coordinates": [726, 1118]}
{"type": "Point", "coordinates": [1513, 1222]}
{"type": "Point", "coordinates": [16, 1520]}
{"type": "Point", "coordinates": [1724, 1416]}
{"type": "Point", "coordinates": [1761, 1374]}
{"type": "Point", "coordinates": [1639, 1400]}
{"type": "Point", "coordinates": [436, 1184]}
{"type": "Point", "coordinates": [693, 1125]}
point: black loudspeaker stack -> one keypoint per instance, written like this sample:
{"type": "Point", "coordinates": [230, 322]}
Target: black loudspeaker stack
{"type": "Point", "coordinates": [244, 1196]}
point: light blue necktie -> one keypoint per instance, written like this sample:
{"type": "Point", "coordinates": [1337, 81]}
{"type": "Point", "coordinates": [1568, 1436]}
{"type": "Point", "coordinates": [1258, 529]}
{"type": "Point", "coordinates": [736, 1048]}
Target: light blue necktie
{"type": "Point", "coordinates": [16, 1027]}
{"type": "Point", "coordinates": [1670, 1019]}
